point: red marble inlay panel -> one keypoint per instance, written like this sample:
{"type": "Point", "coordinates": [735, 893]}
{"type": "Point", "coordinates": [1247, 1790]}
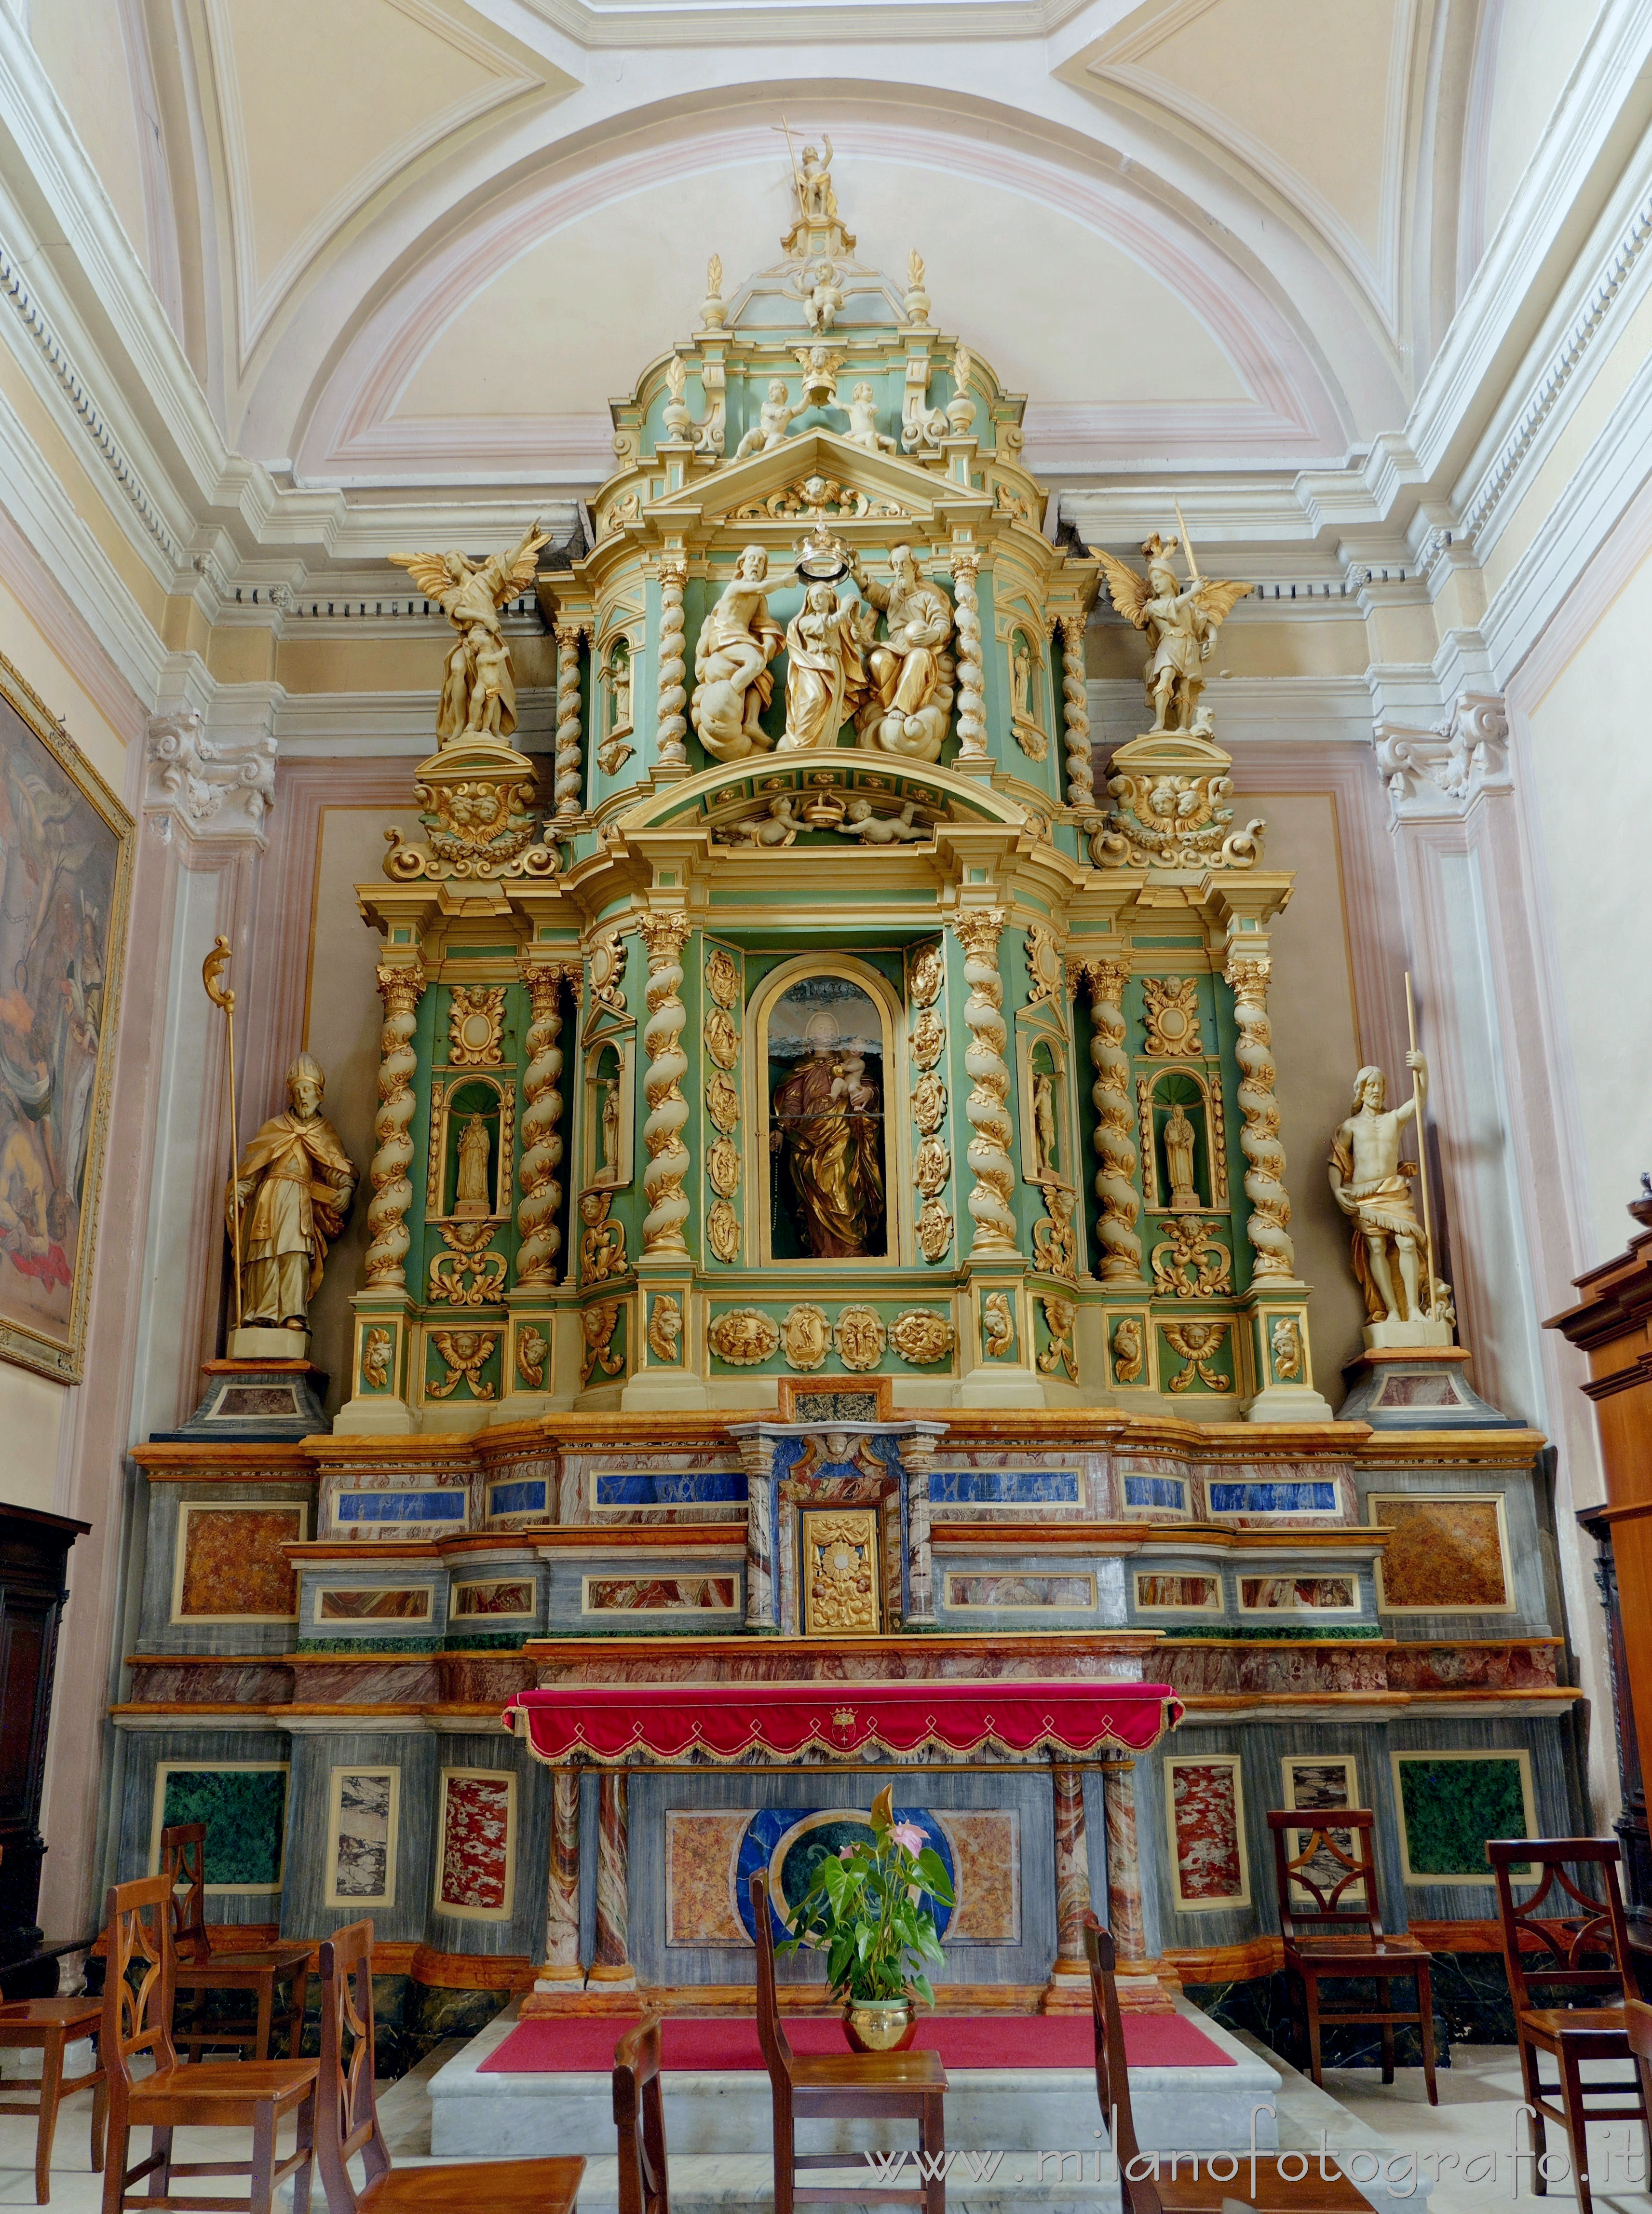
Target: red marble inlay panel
{"type": "Point", "coordinates": [476, 1844]}
{"type": "Point", "coordinates": [1209, 1857]}
{"type": "Point", "coordinates": [233, 1561]}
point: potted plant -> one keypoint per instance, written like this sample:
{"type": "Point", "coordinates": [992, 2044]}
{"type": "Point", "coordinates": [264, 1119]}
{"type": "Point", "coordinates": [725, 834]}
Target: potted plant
{"type": "Point", "coordinates": [869, 1909]}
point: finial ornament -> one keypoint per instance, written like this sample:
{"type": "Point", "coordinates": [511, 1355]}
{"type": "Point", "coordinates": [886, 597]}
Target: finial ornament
{"type": "Point", "coordinates": [1181, 623]}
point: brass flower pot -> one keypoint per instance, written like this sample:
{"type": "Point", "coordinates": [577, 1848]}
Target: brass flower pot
{"type": "Point", "coordinates": [880, 2025]}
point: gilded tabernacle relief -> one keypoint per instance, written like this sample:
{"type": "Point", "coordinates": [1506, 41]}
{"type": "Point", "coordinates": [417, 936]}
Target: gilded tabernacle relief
{"type": "Point", "coordinates": [290, 1197]}
{"type": "Point", "coordinates": [64, 876]}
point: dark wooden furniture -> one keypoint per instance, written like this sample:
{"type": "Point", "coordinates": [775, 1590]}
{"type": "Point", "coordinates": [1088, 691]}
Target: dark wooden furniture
{"type": "Point", "coordinates": [347, 2118]}
{"type": "Point", "coordinates": [1335, 1941]}
{"type": "Point", "coordinates": [1634, 1835]}
{"type": "Point", "coordinates": [198, 1970]}
{"type": "Point", "coordinates": [1264, 2189]}
{"type": "Point", "coordinates": [640, 2118]}
{"type": "Point", "coordinates": [840, 2086]}
{"type": "Point", "coordinates": [1571, 2033]}
{"type": "Point", "coordinates": [48, 2026]}
{"type": "Point", "coordinates": [33, 1558]}
{"type": "Point", "coordinates": [1637, 2018]}
{"type": "Point", "coordinates": [249, 2094]}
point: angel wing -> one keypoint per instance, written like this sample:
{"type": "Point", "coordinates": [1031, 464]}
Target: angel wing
{"type": "Point", "coordinates": [1130, 592]}
{"type": "Point", "coordinates": [428, 572]}
{"type": "Point", "coordinates": [1217, 597]}
{"type": "Point", "coordinates": [521, 574]}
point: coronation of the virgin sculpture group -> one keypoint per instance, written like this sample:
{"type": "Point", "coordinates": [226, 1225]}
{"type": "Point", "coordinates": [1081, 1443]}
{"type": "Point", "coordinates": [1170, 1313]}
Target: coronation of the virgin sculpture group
{"type": "Point", "coordinates": [828, 1227]}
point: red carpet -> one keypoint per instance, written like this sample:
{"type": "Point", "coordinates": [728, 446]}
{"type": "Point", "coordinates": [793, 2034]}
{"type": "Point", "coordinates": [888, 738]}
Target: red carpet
{"type": "Point", "coordinates": [584, 2045]}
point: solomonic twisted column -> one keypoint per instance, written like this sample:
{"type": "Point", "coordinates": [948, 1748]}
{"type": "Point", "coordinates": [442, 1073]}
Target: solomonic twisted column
{"type": "Point", "coordinates": [400, 987]}
{"type": "Point", "coordinates": [991, 1201]}
{"type": "Point", "coordinates": [665, 935]}
{"type": "Point", "coordinates": [971, 695]}
{"type": "Point", "coordinates": [568, 719]}
{"type": "Point", "coordinates": [1075, 711]}
{"type": "Point", "coordinates": [539, 1232]}
{"type": "Point", "coordinates": [1264, 1156]}
{"type": "Point", "coordinates": [671, 727]}
{"type": "Point", "coordinates": [1121, 1248]}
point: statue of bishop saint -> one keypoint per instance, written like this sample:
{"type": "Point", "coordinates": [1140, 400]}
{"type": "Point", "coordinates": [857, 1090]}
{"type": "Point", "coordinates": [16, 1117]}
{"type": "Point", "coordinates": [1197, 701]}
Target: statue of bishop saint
{"type": "Point", "coordinates": [292, 1187]}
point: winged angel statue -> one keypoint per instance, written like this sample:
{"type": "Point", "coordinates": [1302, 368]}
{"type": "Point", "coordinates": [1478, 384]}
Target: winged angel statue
{"type": "Point", "coordinates": [479, 687]}
{"type": "Point", "coordinates": [1181, 627]}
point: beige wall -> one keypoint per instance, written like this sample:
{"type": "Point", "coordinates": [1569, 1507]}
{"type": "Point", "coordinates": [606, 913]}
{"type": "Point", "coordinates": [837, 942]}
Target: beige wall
{"type": "Point", "coordinates": [32, 1409]}
{"type": "Point", "coordinates": [1587, 755]}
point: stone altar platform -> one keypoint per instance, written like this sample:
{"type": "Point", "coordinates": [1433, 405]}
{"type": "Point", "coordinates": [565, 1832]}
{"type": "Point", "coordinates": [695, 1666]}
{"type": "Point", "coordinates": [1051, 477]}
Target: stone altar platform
{"type": "Point", "coordinates": [1026, 2110]}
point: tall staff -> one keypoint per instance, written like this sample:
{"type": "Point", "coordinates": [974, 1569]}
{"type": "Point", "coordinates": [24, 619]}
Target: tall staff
{"type": "Point", "coordinates": [1422, 1153]}
{"type": "Point", "coordinates": [796, 175]}
{"type": "Point", "coordinates": [212, 970]}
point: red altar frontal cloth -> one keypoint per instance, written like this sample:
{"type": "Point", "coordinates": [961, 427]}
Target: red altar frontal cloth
{"type": "Point", "coordinates": [618, 1722]}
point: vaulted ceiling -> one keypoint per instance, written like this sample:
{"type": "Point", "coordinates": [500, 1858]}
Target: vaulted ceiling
{"type": "Point", "coordinates": [423, 241]}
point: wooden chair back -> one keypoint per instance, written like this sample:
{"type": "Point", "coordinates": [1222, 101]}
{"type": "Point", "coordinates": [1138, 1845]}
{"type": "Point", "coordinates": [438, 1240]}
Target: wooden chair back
{"type": "Point", "coordinates": [771, 2032]}
{"type": "Point", "coordinates": [183, 1860]}
{"type": "Point", "coordinates": [137, 1987]}
{"type": "Point", "coordinates": [1638, 2020]}
{"type": "Point", "coordinates": [640, 2118]}
{"type": "Point", "coordinates": [1563, 1941]}
{"type": "Point", "coordinates": [1112, 2071]}
{"type": "Point", "coordinates": [1352, 1874]}
{"type": "Point", "coordinates": [346, 2119]}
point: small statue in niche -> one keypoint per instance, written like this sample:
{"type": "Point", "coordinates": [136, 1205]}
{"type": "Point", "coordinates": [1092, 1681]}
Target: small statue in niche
{"type": "Point", "coordinates": [738, 640]}
{"type": "Point", "coordinates": [620, 668]}
{"type": "Point", "coordinates": [863, 429]}
{"type": "Point", "coordinates": [471, 1197]}
{"type": "Point", "coordinates": [827, 1128]}
{"type": "Point", "coordinates": [608, 1127]}
{"type": "Point", "coordinates": [775, 420]}
{"type": "Point", "coordinates": [1179, 1137]}
{"type": "Point", "coordinates": [1045, 1142]}
{"type": "Point", "coordinates": [292, 1190]}
{"type": "Point", "coordinates": [1368, 1184]}
{"type": "Point", "coordinates": [1020, 679]}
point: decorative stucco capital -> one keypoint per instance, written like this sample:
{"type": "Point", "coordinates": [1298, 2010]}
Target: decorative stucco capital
{"type": "Point", "coordinates": [203, 787]}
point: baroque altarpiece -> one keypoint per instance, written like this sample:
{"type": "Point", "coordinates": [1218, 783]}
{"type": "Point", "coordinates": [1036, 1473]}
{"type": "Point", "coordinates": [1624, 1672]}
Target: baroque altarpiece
{"type": "Point", "coordinates": [828, 1220]}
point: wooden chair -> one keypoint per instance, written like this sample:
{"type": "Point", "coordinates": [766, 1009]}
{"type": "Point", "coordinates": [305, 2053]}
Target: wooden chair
{"type": "Point", "coordinates": [1334, 1941]}
{"type": "Point", "coordinates": [640, 2118]}
{"type": "Point", "coordinates": [840, 2087]}
{"type": "Point", "coordinates": [1568, 2032]}
{"type": "Point", "coordinates": [200, 1971]}
{"type": "Point", "coordinates": [254, 2095]}
{"type": "Point", "coordinates": [1193, 2193]}
{"type": "Point", "coordinates": [1637, 2018]}
{"type": "Point", "coordinates": [48, 2026]}
{"type": "Point", "coordinates": [347, 2118]}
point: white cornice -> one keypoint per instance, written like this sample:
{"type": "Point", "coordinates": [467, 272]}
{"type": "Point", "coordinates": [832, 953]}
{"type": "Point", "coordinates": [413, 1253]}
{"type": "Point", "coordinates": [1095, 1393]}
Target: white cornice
{"type": "Point", "coordinates": [601, 23]}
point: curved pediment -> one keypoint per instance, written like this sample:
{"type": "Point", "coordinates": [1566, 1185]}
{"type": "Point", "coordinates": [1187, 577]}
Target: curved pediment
{"type": "Point", "coordinates": [859, 485]}
{"type": "Point", "coordinates": [922, 798]}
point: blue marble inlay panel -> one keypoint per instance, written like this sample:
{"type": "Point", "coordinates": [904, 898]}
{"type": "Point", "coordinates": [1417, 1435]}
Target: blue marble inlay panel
{"type": "Point", "coordinates": [1167, 1491]}
{"type": "Point", "coordinates": [1273, 1498]}
{"type": "Point", "coordinates": [524, 1496]}
{"type": "Point", "coordinates": [400, 1507]}
{"type": "Point", "coordinates": [1004, 1487]}
{"type": "Point", "coordinates": [810, 1832]}
{"type": "Point", "coordinates": [651, 1487]}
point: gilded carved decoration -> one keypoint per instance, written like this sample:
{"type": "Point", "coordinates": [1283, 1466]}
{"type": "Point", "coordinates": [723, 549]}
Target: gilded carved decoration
{"type": "Point", "coordinates": [1075, 715]}
{"type": "Point", "coordinates": [805, 1335]}
{"type": "Point", "coordinates": [376, 1350]}
{"type": "Point", "coordinates": [1181, 622]}
{"type": "Point", "coordinates": [1285, 1347]}
{"type": "Point", "coordinates": [483, 825]}
{"type": "Point", "coordinates": [721, 1036]}
{"type": "Point", "coordinates": [932, 1163]}
{"type": "Point", "coordinates": [841, 1578]}
{"type": "Point", "coordinates": [722, 1231]}
{"type": "Point", "coordinates": [606, 961]}
{"type": "Point", "coordinates": [921, 1336]}
{"type": "Point", "coordinates": [991, 1200]}
{"type": "Point", "coordinates": [464, 1355]}
{"type": "Point", "coordinates": [971, 679]}
{"type": "Point", "coordinates": [1170, 1012]}
{"type": "Point", "coordinates": [569, 767]}
{"type": "Point", "coordinates": [671, 728]}
{"type": "Point", "coordinates": [928, 1102]}
{"type": "Point", "coordinates": [1055, 1241]}
{"type": "Point", "coordinates": [997, 1326]}
{"type": "Point", "coordinates": [597, 1325]}
{"type": "Point", "coordinates": [664, 936]}
{"type": "Point", "coordinates": [1044, 964]}
{"type": "Point", "coordinates": [665, 1327]}
{"type": "Point", "coordinates": [1190, 1263]}
{"type": "Point", "coordinates": [478, 696]}
{"type": "Point", "coordinates": [1264, 1156]}
{"type": "Point", "coordinates": [1059, 1353]}
{"type": "Point", "coordinates": [823, 496]}
{"type": "Point", "coordinates": [743, 1337]}
{"type": "Point", "coordinates": [1198, 1344]}
{"type": "Point", "coordinates": [400, 987]}
{"type": "Point", "coordinates": [926, 1038]}
{"type": "Point", "coordinates": [602, 1243]}
{"type": "Point", "coordinates": [860, 1336]}
{"type": "Point", "coordinates": [1130, 1350]}
{"type": "Point", "coordinates": [928, 973]}
{"type": "Point", "coordinates": [934, 1230]}
{"type": "Point", "coordinates": [468, 1274]}
{"type": "Point", "coordinates": [1162, 818]}
{"type": "Point", "coordinates": [475, 1024]}
{"type": "Point", "coordinates": [532, 1349]}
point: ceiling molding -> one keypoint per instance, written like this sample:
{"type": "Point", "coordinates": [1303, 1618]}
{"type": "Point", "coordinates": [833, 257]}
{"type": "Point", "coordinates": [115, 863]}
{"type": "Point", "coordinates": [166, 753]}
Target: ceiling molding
{"type": "Point", "coordinates": [594, 24]}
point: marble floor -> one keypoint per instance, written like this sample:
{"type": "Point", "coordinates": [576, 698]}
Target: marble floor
{"type": "Point", "coordinates": [1474, 2122]}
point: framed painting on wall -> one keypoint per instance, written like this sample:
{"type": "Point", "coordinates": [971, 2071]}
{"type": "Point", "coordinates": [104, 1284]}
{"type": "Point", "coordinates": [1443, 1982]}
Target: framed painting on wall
{"type": "Point", "coordinates": [66, 869]}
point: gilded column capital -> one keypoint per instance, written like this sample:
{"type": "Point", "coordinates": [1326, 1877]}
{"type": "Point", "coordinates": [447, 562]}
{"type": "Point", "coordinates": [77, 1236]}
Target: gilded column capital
{"type": "Point", "coordinates": [1248, 976]}
{"type": "Point", "coordinates": [663, 935]}
{"type": "Point", "coordinates": [979, 929]}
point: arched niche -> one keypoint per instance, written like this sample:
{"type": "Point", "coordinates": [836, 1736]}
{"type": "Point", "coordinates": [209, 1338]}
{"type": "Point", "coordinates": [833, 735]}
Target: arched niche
{"type": "Point", "coordinates": [471, 1159]}
{"type": "Point", "coordinates": [1182, 1130]}
{"type": "Point", "coordinates": [833, 1150]}
{"type": "Point", "coordinates": [606, 1123]}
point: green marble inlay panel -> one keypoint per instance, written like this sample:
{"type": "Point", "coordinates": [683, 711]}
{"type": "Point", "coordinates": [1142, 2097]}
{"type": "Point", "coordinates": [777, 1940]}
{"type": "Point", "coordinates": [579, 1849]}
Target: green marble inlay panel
{"type": "Point", "coordinates": [245, 1811]}
{"type": "Point", "coordinates": [1451, 1806]}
